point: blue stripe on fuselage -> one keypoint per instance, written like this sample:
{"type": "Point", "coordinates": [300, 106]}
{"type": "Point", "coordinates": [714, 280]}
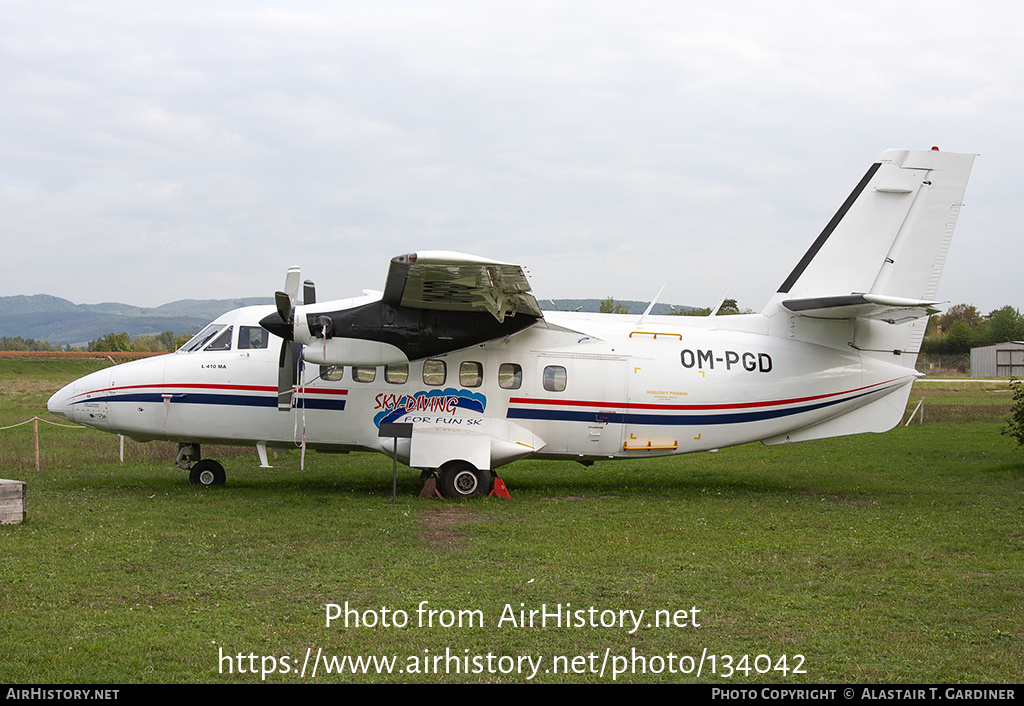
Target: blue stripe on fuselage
{"type": "Point", "coordinates": [218, 399]}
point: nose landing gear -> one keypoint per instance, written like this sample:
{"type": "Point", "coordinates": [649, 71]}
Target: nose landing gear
{"type": "Point", "coordinates": [200, 471]}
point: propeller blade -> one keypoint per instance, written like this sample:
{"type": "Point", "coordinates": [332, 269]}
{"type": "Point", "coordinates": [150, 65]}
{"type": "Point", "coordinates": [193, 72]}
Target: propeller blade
{"type": "Point", "coordinates": [308, 292]}
{"type": "Point", "coordinates": [285, 300]}
{"type": "Point", "coordinates": [284, 307]}
{"type": "Point", "coordinates": [284, 324]}
{"type": "Point", "coordinates": [291, 283]}
{"type": "Point", "coordinates": [287, 374]}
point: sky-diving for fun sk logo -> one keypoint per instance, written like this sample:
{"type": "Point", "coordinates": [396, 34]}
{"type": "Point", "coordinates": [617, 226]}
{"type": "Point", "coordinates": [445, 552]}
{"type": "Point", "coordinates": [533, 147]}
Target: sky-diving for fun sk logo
{"type": "Point", "coordinates": [439, 403]}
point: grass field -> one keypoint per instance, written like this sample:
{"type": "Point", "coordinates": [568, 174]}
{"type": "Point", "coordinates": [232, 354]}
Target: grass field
{"type": "Point", "coordinates": [877, 558]}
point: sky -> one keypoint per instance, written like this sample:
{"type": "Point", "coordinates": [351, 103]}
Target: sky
{"type": "Point", "coordinates": [151, 152]}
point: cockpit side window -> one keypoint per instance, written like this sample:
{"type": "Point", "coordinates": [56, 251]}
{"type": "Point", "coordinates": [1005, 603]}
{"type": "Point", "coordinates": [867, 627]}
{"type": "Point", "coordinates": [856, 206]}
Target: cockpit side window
{"type": "Point", "coordinates": [202, 338]}
{"type": "Point", "coordinates": [253, 337]}
{"type": "Point", "coordinates": [222, 342]}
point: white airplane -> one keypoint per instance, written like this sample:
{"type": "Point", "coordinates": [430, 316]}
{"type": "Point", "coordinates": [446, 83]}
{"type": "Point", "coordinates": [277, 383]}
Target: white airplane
{"type": "Point", "coordinates": [457, 348]}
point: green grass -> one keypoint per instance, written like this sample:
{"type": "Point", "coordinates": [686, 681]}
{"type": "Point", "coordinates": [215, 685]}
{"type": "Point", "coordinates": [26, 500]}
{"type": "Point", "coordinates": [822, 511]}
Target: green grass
{"type": "Point", "coordinates": [879, 558]}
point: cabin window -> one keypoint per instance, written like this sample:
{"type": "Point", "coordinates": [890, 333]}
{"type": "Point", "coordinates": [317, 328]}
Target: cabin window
{"type": "Point", "coordinates": [202, 338]}
{"type": "Point", "coordinates": [222, 342]}
{"type": "Point", "coordinates": [471, 374]}
{"type": "Point", "coordinates": [510, 376]}
{"type": "Point", "coordinates": [396, 374]}
{"type": "Point", "coordinates": [554, 378]}
{"type": "Point", "coordinates": [362, 373]}
{"type": "Point", "coordinates": [435, 372]}
{"type": "Point", "coordinates": [333, 373]}
{"type": "Point", "coordinates": [252, 337]}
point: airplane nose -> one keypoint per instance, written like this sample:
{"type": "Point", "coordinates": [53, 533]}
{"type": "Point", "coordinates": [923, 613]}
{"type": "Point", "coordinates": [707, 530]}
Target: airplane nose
{"type": "Point", "coordinates": [60, 403]}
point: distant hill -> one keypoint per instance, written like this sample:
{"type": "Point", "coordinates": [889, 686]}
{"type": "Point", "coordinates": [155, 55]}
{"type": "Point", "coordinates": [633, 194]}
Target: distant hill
{"type": "Point", "coordinates": [47, 318]}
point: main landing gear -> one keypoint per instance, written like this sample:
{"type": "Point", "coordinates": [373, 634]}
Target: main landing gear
{"type": "Point", "coordinates": [460, 479]}
{"type": "Point", "coordinates": [201, 471]}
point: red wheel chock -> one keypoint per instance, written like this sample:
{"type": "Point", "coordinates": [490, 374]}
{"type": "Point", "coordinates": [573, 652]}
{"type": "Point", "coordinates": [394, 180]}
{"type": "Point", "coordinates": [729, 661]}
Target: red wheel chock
{"type": "Point", "coordinates": [500, 491]}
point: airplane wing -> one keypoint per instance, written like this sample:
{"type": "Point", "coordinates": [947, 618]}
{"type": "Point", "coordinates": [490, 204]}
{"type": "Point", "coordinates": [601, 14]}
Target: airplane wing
{"type": "Point", "coordinates": [433, 302]}
{"type": "Point", "coordinates": [448, 281]}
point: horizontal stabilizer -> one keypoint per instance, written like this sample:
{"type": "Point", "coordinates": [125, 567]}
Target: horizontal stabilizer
{"type": "Point", "coordinates": [880, 307]}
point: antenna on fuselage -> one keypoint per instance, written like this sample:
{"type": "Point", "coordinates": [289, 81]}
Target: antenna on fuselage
{"type": "Point", "coordinates": [651, 305]}
{"type": "Point", "coordinates": [714, 312]}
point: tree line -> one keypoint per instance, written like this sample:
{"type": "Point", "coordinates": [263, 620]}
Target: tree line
{"type": "Point", "coordinates": [963, 327]}
{"type": "Point", "coordinates": [165, 342]}
{"type": "Point", "coordinates": [728, 307]}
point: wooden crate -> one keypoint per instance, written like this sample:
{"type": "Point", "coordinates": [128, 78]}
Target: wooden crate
{"type": "Point", "coordinates": [12, 501]}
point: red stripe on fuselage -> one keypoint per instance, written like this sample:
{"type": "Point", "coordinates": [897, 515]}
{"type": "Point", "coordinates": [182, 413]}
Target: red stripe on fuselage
{"type": "Point", "coordinates": [210, 386]}
{"type": "Point", "coordinates": [668, 407]}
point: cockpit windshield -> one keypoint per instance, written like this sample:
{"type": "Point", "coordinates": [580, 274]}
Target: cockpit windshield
{"type": "Point", "coordinates": [220, 334]}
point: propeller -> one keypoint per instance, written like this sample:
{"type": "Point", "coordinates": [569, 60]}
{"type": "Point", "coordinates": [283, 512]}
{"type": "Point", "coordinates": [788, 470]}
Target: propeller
{"type": "Point", "coordinates": [283, 324]}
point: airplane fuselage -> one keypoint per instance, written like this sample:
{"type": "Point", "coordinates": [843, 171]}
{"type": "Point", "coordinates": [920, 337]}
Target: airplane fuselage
{"type": "Point", "coordinates": [582, 386]}
{"type": "Point", "coordinates": [455, 369]}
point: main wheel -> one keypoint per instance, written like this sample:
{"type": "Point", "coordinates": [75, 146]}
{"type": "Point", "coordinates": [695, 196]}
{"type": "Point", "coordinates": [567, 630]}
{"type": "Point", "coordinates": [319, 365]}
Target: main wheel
{"type": "Point", "coordinates": [207, 472]}
{"type": "Point", "coordinates": [459, 479]}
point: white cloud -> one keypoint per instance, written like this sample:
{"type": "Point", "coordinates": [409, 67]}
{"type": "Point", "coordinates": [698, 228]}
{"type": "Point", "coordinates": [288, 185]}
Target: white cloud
{"type": "Point", "coordinates": [702, 145]}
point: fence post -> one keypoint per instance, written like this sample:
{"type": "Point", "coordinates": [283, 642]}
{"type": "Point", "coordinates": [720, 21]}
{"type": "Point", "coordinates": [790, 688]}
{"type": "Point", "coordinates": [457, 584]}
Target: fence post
{"type": "Point", "coordinates": [920, 406]}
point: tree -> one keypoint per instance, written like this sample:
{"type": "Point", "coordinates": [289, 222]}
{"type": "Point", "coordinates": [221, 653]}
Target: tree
{"type": "Point", "coordinates": [729, 306]}
{"type": "Point", "coordinates": [1005, 324]}
{"type": "Point", "coordinates": [25, 344]}
{"type": "Point", "coordinates": [960, 338]}
{"type": "Point", "coordinates": [1015, 422]}
{"type": "Point", "coordinates": [146, 343]}
{"type": "Point", "coordinates": [703, 311]}
{"type": "Point", "coordinates": [167, 340]}
{"type": "Point", "coordinates": [610, 306]}
{"type": "Point", "coordinates": [112, 342]}
{"type": "Point", "coordinates": [966, 313]}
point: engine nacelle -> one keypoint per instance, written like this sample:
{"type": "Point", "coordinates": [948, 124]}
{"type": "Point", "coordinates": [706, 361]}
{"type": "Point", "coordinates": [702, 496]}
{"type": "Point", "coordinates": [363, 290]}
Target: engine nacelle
{"type": "Point", "coordinates": [352, 351]}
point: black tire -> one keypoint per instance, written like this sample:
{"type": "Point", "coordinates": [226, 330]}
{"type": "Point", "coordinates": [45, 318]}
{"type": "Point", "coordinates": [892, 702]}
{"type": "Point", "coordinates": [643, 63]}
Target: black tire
{"type": "Point", "coordinates": [486, 481]}
{"type": "Point", "coordinates": [207, 472]}
{"type": "Point", "coordinates": [459, 479]}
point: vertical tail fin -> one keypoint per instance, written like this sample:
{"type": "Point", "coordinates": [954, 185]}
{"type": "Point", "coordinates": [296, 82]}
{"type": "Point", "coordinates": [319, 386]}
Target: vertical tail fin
{"type": "Point", "coordinates": [880, 257]}
{"type": "Point", "coordinates": [891, 235]}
